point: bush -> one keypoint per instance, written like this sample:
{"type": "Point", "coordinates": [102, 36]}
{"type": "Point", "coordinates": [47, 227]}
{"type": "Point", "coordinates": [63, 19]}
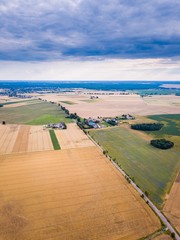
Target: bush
{"type": "Point", "coordinates": [162, 143]}
{"type": "Point", "coordinates": [147, 126]}
{"type": "Point", "coordinates": [173, 235]}
{"type": "Point", "coordinates": [1, 105]}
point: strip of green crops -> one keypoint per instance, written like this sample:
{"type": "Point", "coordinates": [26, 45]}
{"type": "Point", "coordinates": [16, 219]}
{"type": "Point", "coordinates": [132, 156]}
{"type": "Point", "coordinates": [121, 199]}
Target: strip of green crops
{"type": "Point", "coordinates": [54, 140]}
{"type": "Point", "coordinates": [7, 103]}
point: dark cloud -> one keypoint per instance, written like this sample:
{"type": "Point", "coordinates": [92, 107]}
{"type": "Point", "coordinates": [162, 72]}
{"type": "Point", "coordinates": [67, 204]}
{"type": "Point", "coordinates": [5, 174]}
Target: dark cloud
{"type": "Point", "coordinates": [49, 30]}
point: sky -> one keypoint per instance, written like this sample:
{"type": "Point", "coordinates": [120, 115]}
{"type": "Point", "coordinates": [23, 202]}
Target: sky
{"type": "Point", "coordinates": [89, 40]}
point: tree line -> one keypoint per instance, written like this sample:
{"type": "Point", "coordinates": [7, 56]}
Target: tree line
{"type": "Point", "coordinates": [147, 126]}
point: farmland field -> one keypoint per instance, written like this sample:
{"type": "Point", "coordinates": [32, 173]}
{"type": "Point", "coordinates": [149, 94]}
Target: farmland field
{"type": "Point", "coordinates": [152, 169]}
{"type": "Point", "coordinates": [69, 194]}
{"type": "Point", "coordinates": [114, 104]}
{"type": "Point", "coordinates": [171, 124]}
{"type": "Point", "coordinates": [11, 102]}
{"type": "Point", "coordinates": [68, 102]}
{"type": "Point", "coordinates": [172, 208]}
{"type": "Point", "coordinates": [54, 140]}
{"type": "Point", "coordinates": [23, 138]}
{"type": "Point", "coordinates": [72, 137]}
{"type": "Point", "coordinates": [34, 114]}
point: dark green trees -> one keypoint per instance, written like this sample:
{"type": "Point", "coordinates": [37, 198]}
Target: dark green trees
{"type": "Point", "coordinates": [162, 143]}
{"type": "Point", "coordinates": [147, 126]}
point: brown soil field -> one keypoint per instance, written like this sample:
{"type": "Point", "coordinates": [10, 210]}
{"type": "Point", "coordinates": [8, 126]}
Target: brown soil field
{"type": "Point", "coordinates": [69, 194]}
{"type": "Point", "coordinates": [172, 206]}
{"type": "Point", "coordinates": [114, 105]}
{"type": "Point", "coordinates": [19, 138]}
{"type": "Point", "coordinates": [72, 137]}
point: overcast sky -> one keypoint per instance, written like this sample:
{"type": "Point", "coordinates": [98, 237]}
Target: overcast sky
{"type": "Point", "coordinates": [90, 39]}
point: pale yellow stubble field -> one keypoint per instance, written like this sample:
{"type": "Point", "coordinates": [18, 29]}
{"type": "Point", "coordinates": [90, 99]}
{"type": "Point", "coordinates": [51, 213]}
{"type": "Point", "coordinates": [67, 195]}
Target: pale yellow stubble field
{"type": "Point", "coordinates": [116, 105]}
{"type": "Point", "coordinates": [23, 138]}
{"type": "Point", "coordinates": [72, 137]}
{"type": "Point", "coordinates": [69, 194]}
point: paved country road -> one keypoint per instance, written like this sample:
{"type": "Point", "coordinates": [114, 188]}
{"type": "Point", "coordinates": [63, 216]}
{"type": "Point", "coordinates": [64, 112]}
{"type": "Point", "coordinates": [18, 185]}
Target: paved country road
{"type": "Point", "coordinates": [155, 209]}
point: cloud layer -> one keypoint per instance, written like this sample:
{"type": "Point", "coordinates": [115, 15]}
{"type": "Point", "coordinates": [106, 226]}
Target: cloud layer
{"type": "Point", "coordinates": [109, 69]}
{"type": "Point", "coordinates": [36, 30]}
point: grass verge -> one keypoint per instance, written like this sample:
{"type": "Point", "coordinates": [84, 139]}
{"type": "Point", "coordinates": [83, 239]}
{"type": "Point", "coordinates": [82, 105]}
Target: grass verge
{"type": "Point", "coordinates": [54, 140]}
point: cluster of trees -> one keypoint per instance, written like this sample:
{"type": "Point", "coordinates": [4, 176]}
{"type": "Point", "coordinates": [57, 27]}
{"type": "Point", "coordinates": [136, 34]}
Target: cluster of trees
{"type": "Point", "coordinates": [80, 124]}
{"type": "Point", "coordinates": [113, 122]}
{"type": "Point", "coordinates": [70, 115]}
{"type": "Point", "coordinates": [147, 126]}
{"type": "Point", "coordinates": [128, 179]}
{"type": "Point", "coordinates": [1, 105]}
{"type": "Point", "coordinates": [65, 110]}
{"type": "Point", "coordinates": [162, 143]}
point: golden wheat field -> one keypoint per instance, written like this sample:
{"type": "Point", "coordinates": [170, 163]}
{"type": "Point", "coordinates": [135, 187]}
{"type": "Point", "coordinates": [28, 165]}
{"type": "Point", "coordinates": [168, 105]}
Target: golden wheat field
{"type": "Point", "coordinates": [22, 138]}
{"type": "Point", "coordinates": [69, 194]}
{"type": "Point", "coordinates": [163, 237]}
{"type": "Point", "coordinates": [172, 206]}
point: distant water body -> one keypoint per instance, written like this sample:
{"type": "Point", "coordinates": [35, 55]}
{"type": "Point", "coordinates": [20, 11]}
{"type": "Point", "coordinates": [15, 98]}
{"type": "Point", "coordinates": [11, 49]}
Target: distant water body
{"type": "Point", "coordinates": [95, 85]}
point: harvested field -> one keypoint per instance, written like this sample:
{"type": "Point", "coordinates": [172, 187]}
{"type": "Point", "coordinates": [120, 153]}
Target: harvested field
{"type": "Point", "coordinates": [72, 137]}
{"type": "Point", "coordinates": [21, 138]}
{"type": "Point", "coordinates": [163, 237]}
{"type": "Point", "coordinates": [21, 143]}
{"type": "Point", "coordinates": [172, 206]}
{"type": "Point", "coordinates": [116, 105]}
{"type": "Point", "coordinates": [8, 136]}
{"type": "Point", "coordinates": [39, 139]}
{"type": "Point", "coordinates": [69, 194]}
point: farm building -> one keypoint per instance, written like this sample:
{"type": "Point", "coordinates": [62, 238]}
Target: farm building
{"type": "Point", "coordinates": [60, 125]}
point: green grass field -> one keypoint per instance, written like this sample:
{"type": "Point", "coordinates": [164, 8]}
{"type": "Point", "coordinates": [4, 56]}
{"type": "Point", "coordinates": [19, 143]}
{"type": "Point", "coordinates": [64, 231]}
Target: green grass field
{"type": "Point", "coordinates": [34, 114]}
{"type": "Point", "coordinates": [68, 102]}
{"type": "Point", "coordinates": [90, 100]}
{"type": "Point", "coordinates": [171, 124]}
{"type": "Point", "coordinates": [54, 140]}
{"type": "Point", "coordinates": [20, 101]}
{"type": "Point", "coordinates": [152, 169]}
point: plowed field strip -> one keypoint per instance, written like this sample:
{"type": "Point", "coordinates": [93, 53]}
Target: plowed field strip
{"type": "Point", "coordinates": [11, 139]}
{"type": "Point", "coordinates": [21, 144]}
{"type": "Point", "coordinates": [8, 135]}
{"type": "Point", "coordinates": [4, 132]}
